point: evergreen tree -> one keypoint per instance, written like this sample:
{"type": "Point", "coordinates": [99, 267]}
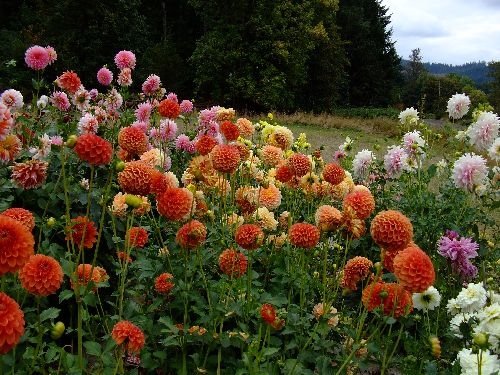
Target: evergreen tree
{"type": "Point", "coordinates": [494, 73]}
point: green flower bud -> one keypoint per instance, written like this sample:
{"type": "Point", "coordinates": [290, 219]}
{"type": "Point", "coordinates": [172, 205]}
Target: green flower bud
{"type": "Point", "coordinates": [133, 200]}
{"type": "Point", "coordinates": [57, 330]}
{"type": "Point", "coordinates": [120, 166]}
{"type": "Point", "coordinates": [71, 141]}
{"type": "Point", "coordinates": [51, 222]}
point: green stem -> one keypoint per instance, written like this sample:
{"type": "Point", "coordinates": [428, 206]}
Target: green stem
{"type": "Point", "coordinates": [80, 333]}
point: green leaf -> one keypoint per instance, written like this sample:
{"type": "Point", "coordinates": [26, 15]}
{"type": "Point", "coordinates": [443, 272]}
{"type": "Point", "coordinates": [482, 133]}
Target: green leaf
{"type": "Point", "coordinates": [269, 351]}
{"type": "Point", "coordinates": [92, 347]}
{"type": "Point", "coordinates": [65, 294]}
{"type": "Point", "coordinates": [50, 313]}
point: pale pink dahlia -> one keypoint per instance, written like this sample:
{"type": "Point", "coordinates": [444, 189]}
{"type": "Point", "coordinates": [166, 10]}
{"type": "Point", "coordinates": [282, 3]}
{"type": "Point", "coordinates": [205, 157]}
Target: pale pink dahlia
{"type": "Point", "coordinates": [396, 161]}
{"type": "Point", "coordinates": [60, 100]}
{"type": "Point", "coordinates": [88, 124]}
{"type": "Point", "coordinates": [125, 59]}
{"type": "Point", "coordinates": [361, 163]}
{"type": "Point", "coordinates": [143, 111]}
{"type": "Point", "coordinates": [483, 132]}
{"type": "Point", "coordinates": [470, 171]}
{"type": "Point", "coordinates": [125, 77]}
{"type": "Point", "coordinates": [37, 58]}
{"type": "Point", "coordinates": [13, 99]}
{"type": "Point", "coordinates": [186, 106]}
{"type": "Point", "coordinates": [458, 106]}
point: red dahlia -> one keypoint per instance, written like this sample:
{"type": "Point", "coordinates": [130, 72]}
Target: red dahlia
{"type": "Point", "coordinates": [233, 263]}
{"type": "Point", "coordinates": [93, 149]}
{"type": "Point", "coordinates": [304, 235]}
{"type": "Point", "coordinates": [133, 140]}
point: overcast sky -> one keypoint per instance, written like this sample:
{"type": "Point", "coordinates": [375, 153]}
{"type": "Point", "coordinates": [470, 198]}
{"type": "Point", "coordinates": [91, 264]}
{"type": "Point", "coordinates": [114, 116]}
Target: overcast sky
{"type": "Point", "coordinates": [446, 31]}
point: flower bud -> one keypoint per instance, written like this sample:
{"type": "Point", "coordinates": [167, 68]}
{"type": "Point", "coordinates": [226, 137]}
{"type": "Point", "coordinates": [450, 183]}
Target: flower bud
{"type": "Point", "coordinates": [120, 166]}
{"type": "Point", "coordinates": [57, 330]}
{"type": "Point", "coordinates": [133, 200]}
{"type": "Point", "coordinates": [481, 340]}
{"type": "Point", "coordinates": [71, 141]}
{"type": "Point", "coordinates": [51, 221]}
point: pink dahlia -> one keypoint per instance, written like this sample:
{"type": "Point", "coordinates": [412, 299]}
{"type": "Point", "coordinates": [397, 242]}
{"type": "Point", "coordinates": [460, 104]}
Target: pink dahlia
{"type": "Point", "coordinates": [60, 100]}
{"type": "Point", "coordinates": [37, 58]}
{"type": "Point", "coordinates": [125, 59]}
{"type": "Point", "coordinates": [105, 76]}
{"type": "Point", "coordinates": [470, 171]}
{"type": "Point", "coordinates": [458, 106]}
{"type": "Point", "coordinates": [484, 131]}
{"type": "Point", "coordinates": [151, 84]}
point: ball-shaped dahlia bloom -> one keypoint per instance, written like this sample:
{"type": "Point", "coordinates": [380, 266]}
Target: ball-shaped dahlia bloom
{"type": "Point", "coordinates": [299, 164]}
{"type": "Point", "coordinates": [42, 275]}
{"type": "Point", "coordinates": [69, 81]}
{"type": "Point", "coordinates": [191, 235]}
{"type": "Point", "coordinates": [328, 218]}
{"type": "Point", "coordinates": [16, 245]}
{"type": "Point", "coordinates": [86, 273]}
{"type": "Point", "coordinates": [136, 178]}
{"type": "Point", "coordinates": [164, 284]}
{"type": "Point", "coordinates": [391, 229]}
{"type": "Point", "coordinates": [175, 203]}
{"type": "Point", "coordinates": [37, 57]}
{"type": "Point", "coordinates": [233, 263]}
{"type": "Point", "coordinates": [284, 173]}
{"type": "Point", "coordinates": [414, 269]}
{"type": "Point", "coordinates": [93, 149]}
{"type": "Point", "coordinates": [129, 335]}
{"type": "Point", "coordinates": [361, 201]}
{"type": "Point", "coordinates": [355, 270]}
{"type": "Point", "coordinates": [22, 215]}
{"type": "Point", "coordinates": [229, 130]}
{"type": "Point", "coordinates": [333, 173]}
{"type": "Point", "coordinates": [249, 236]}
{"type": "Point", "coordinates": [136, 237]}
{"type": "Point", "coordinates": [133, 140]}
{"type": "Point", "coordinates": [11, 323]}
{"type": "Point", "coordinates": [82, 232]}
{"type": "Point", "coordinates": [392, 298]}
{"type": "Point", "coordinates": [205, 144]}
{"type": "Point", "coordinates": [225, 158]}
{"type": "Point", "coordinates": [304, 235]}
{"type": "Point", "coordinates": [169, 108]}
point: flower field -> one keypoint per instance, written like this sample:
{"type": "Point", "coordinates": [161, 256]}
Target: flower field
{"type": "Point", "coordinates": [128, 247]}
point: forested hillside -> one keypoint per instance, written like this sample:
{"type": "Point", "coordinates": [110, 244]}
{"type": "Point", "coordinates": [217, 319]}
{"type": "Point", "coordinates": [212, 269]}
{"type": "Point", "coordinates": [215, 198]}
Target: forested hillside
{"type": "Point", "coordinates": [477, 71]}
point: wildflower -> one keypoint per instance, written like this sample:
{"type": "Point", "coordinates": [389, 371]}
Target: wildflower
{"type": "Point", "coordinates": [304, 235]}
{"type": "Point", "coordinates": [169, 108]}
{"type": "Point", "coordinates": [104, 76]}
{"type": "Point", "coordinates": [233, 263]}
{"type": "Point", "coordinates": [225, 158]}
{"type": "Point", "coordinates": [129, 335]}
{"type": "Point", "coordinates": [205, 144]}
{"type": "Point", "coordinates": [191, 235]}
{"type": "Point", "coordinates": [362, 162]}
{"type": "Point", "coordinates": [427, 300]}
{"type": "Point", "coordinates": [12, 323]}
{"type": "Point", "coordinates": [60, 100]}
{"type": "Point", "coordinates": [13, 99]}
{"type": "Point", "coordinates": [125, 77]}
{"type": "Point", "coordinates": [93, 149]}
{"type": "Point", "coordinates": [175, 203]}
{"type": "Point", "coordinates": [484, 131]}
{"type": "Point", "coordinates": [414, 269]}
{"type": "Point", "coordinates": [409, 116]}
{"type": "Point", "coordinates": [361, 201]}
{"type": "Point", "coordinates": [249, 236]}
{"type": "Point", "coordinates": [82, 232]}
{"type": "Point", "coordinates": [125, 59]}
{"type": "Point", "coordinates": [327, 218]}
{"type": "Point", "coordinates": [355, 270]}
{"type": "Point", "coordinates": [478, 363]}
{"type": "Point", "coordinates": [22, 215]}
{"type": "Point", "coordinates": [268, 313]}
{"type": "Point", "coordinates": [69, 81]}
{"type": "Point", "coordinates": [299, 164]}
{"type": "Point", "coordinates": [136, 237]}
{"type": "Point", "coordinates": [396, 161]}
{"type": "Point", "coordinates": [132, 140]}
{"type": "Point", "coordinates": [151, 84]}
{"type": "Point", "coordinates": [163, 283]}
{"type": "Point", "coordinates": [470, 171]}
{"type": "Point", "coordinates": [270, 197]}
{"type": "Point", "coordinates": [37, 58]}
{"type": "Point", "coordinates": [391, 229]}
{"type": "Point", "coordinates": [30, 174]}
{"type": "Point", "coordinates": [458, 106]}
{"type": "Point", "coordinates": [136, 178]}
{"type": "Point", "coordinates": [41, 275]}
{"type": "Point", "coordinates": [16, 244]}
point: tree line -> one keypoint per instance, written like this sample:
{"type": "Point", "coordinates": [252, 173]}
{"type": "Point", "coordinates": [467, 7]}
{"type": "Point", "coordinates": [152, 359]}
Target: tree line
{"type": "Point", "coordinates": [313, 55]}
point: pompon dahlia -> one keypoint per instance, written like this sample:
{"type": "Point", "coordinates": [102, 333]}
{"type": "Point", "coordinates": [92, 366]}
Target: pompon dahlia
{"type": "Point", "coordinates": [284, 173]}
{"type": "Point", "coordinates": [352, 225]}
{"type": "Point", "coordinates": [42, 275]}
{"type": "Point", "coordinates": [175, 203]}
{"type": "Point", "coordinates": [229, 130]}
{"type": "Point", "coordinates": [391, 229]}
{"type": "Point", "coordinates": [85, 273]}
{"type": "Point", "coordinates": [333, 173]}
{"type": "Point", "coordinates": [393, 298]}
{"type": "Point", "coordinates": [270, 197]}
{"type": "Point", "coordinates": [361, 201]}
{"type": "Point", "coordinates": [133, 140]}
{"type": "Point", "coordinates": [11, 323]}
{"type": "Point", "coordinates": [93, 149]}
{"type": "Point", "coordinates": [243, 150]}
{"type": "Point", "coordinates": [225, 158]}
{"type": "Point", "coordinates": [10, 148]}
{"type": "Point", "coordinates": [136, 237]}
{"type": "Point", "coordinates": [69, 81]}
{"type": "Point", "coordinates": [136, 178]}
{"type": "Point", "coordinates": [355, 270]}
{"type": "Point", "coordinates": [327, 218]}
{"type": "Point", "coordinates": [82, 232]}
{"type": "Point", "coordinates": [304, 235]}
{"type": "Point", "coordinates": [299, 164]}
{"type": "Point", "coordinates": [16, 245]}
{"type": "Point", "coordinates": [249, 236]}
{"type": "Point", "coordinates": [271, 155]}
{"type": "Point", "coordinates": [37, 57]}
{"type": "Point", "coordinates": [205, 144]}
{"type": "Point", "coordinates": [164, 284]}
{"type": "Point", "coordinates": [387, 256]}
{"type": "Point", "coordinates": [30, 174]}
{"type": "Point", "coordinates": [129, 335]}
{"type": "Point", "coordinates": [169, 108]}
{"type": "Point", "coordinates": [22, 215]}
{"type": "Point", "coordinates": [246, 127]}
{"type": "Point", "coordinates": [233, 263]}
{"type": "Point", "coordinates": [191, 235]}
{"type": "Point", "coordinates": [268, 313]}
{"type": "Point", "coordinates": [414, 269]}
{"type": "Point", "coordinates": [125, 59]}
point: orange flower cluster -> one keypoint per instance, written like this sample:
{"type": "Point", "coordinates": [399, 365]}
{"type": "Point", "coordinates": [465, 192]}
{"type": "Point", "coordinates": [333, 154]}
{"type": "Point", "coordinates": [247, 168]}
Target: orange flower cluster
{"type": "Point", "coordinates": [229, 130]}
{"type": "Point", "coordinates": [129, 335]}
{"type": "Point", "coordinates": [16, 243]}
{"type": "Point", "coordinates": [205, 144]}
{"type": "Point", "coordinates": [225, 158]}
{"type": "Point", "coordinates": [391, 229]}
{"type": "Point", "coordinates": [175, 203]}
{"type": "Point", "coordinates": [136, 178]}
{"type": "Point", "coordinates": [333, 173]}
{"type": "Point", "coordinates": [93, 149]}
{"type": "Point", "coordinates": [82, 232]}
{"type": "Point", "coordinates": [22, 215]}
{"type": "Point", "coordinates": [42, 275]}
{"type": "Point", "coordinates": [133, 140]}
{"type": "Point", "coordinates": [391, 297]}
{"type": "Point", "coordinates": [233, 263]}
{"type": "Point", "coordinates": [11, 323]}
{"type": "Point", "coordinates": [69, 81]}
{"type": "Point", "coordinates": [249, 236]}
{"type": "Point", "coordinates": [169, 108]}
{"type": "Point", "coordinates": [299, 164]}
{"type": "Point", "coordinates": [355, 270]}
{"type": "Point", "coordinates": [163, 283]}
{"type": "Point", "coordinates": [136, 237]}
{"type": "Point", "coordinates": [191, 235]}
{"type": "Point", "coordinates": [304, 235]}
{"type": "Point", "coordinates": [414, 269]}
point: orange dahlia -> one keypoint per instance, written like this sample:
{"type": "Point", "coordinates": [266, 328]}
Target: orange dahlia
{"type": "Point", "coordinates": [284, 173]}
{"type": "Point", "coordinates": [69, 81]}
{"type": "Point", "coordinates": [361, 201]}
{"type": "Point", "coordinates": [327, 218]}
{"type": "Point", "coordinates": [249, 236]}
{"type": "Point", "coordinates": [205, 144]}
{"type": "Point", "coordinates": [9, 148]}
{"type": "Point", "coordinates": [391, 297]}
{"type": "Point", "coordinates": [129, 335]}
{"type": "Point", "coordinates": [175, 203]}
{"type": "Point", "coordinates": [414, 269]}
{"type": "Point", "coordinates": [136, 237]}
{"type": "Point", "coordinates": [191, 235]}
{"type": "Point", "coordinates": [136, 178]}
{"type": "Point", "coordinates": [11, 323]}
{"type": "Point", "coordinates": [133, 140]}
{"type": "Point", "coordinates": [391, 229]}
{"type": "Point", "coordinates": [22, 215]}
{"type": "Point", "coordinates": [270, 197]}
{"type": "Point", "coordinates": [304, 235]}
{"type": "Point", "coordinates": [82, 232]}
{"type": "Point", "coordinates": [30, 174]}
{"type": "Point", "coordinates": [268, 313]}
{"type": "Point", "coordinates": [169, 108]}
{"type": "Point", "coordinates": [355, 270]}
{"type": "Point", "coordinates": [333, 173]}
{"type": "Point", "coordinates": [229, 130]}
{"type": "Point", "coordinates": [243, 150]}
{"type": "Point", "coordinates": [42, 275]}
{"type": "Point", "coordinates": [388, 255]}
{"type": "Point", "coordinates": [246, 199]}
{"type": "Point", "coordinates": [225, 158]}
{"type": "Point", "coordinates": [352, 225]}
{"type": "Point", "coordinates": [163, 283]}
{"type": "Point", "coordinates": [16, 245]}
{"type": "Point", "coordinates": [233, 263]}
{"type": "Point", "coordinates": [299, 164]}
{"type": "Point", "coordinates": [93, 149]}
{"type": "Point", "coordinates": [271, 155]}
{"type": "Point", "coordinates": [85, 273]}
{"type": "Point", "coordinates": [246, 127]}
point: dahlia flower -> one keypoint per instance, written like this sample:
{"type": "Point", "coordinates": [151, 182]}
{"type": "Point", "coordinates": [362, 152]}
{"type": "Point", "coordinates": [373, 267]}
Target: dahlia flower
{"type": "Point", "coordinates": [191, 235]}
{"type": "Point", "coordinates": [268, 313]}
{"type": "Point", "coordinates": [409, 116]}
{"type": "Point", "coordinates": [151, 84]}
{"type": "Point", "coordinates": [41, 275]}
{"type": "Point", "coordinates": [327, 218]}
{"type": "Point", "coordinates": [458, 106]}
{"type": "Point", "coordinates": [414, 269]}
{"type": "Point", "coordinates": [391, 229]}
{"type": "Point", "coordinates": [60, 100]}
{"type": "Point", "coordinates": [249, 236]}
{"type": "Point", "coordinates": [82, 232]}
{"type": "Point", "coordinates": [396, 161]}
{"type": "Point", "coordinates": [69, 81]}
{"type": "Point", "coordinates": [93, 149]}
{"type": "Point", "coordinates": [16, 243]}
{"type": "Point", "coordinates": [469, 172]}
{"type": "Point", "coordinates": [125, 77]}
{"type": "Point", "coordinates": [163, 283]}
{"type": "Point", "coordinates": [470, 299]}
{"type": "Point", "coordinates": [471, 362]}
{"type": "Point", "coordinates": [233, 263]}
{"type": "Point", "coordinates": [129, 335]}
{"type": "Point", "coordinates": [22, 215]}
{"type": "Point", "coordinates": [494, 150]}
{"type": "Point", "coordinates": [13, 99]}
{"type": "Point", "coordinates": [333, 173]}
{"type": "Point", "coordinates": [104, 76]}
{"type": "Point", "coordinates": [10, 147]}
{"type": "Point", "coordinates": [304, 235]}
{"type": "Point", "coordinates": [125, 59]}
{"type": "Point", "coordinates": [11, 323]}
{"type": "Point", "coordinates": [88, 123]}
{"type": "Point", "coordinates": [427, 300]}
{"type": "Point", "coordinates": [362, 163]}
{"type": "Point", "coordinates": [136, 237]}
{"type": "Point", "coordinates": [37, 58]}
{"type": "Point", "coordinates": [484, 131]}
{"type": "Point", "coordinates": [355, 270]}
{"type": "Point", "coordinates": [30, 174]}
